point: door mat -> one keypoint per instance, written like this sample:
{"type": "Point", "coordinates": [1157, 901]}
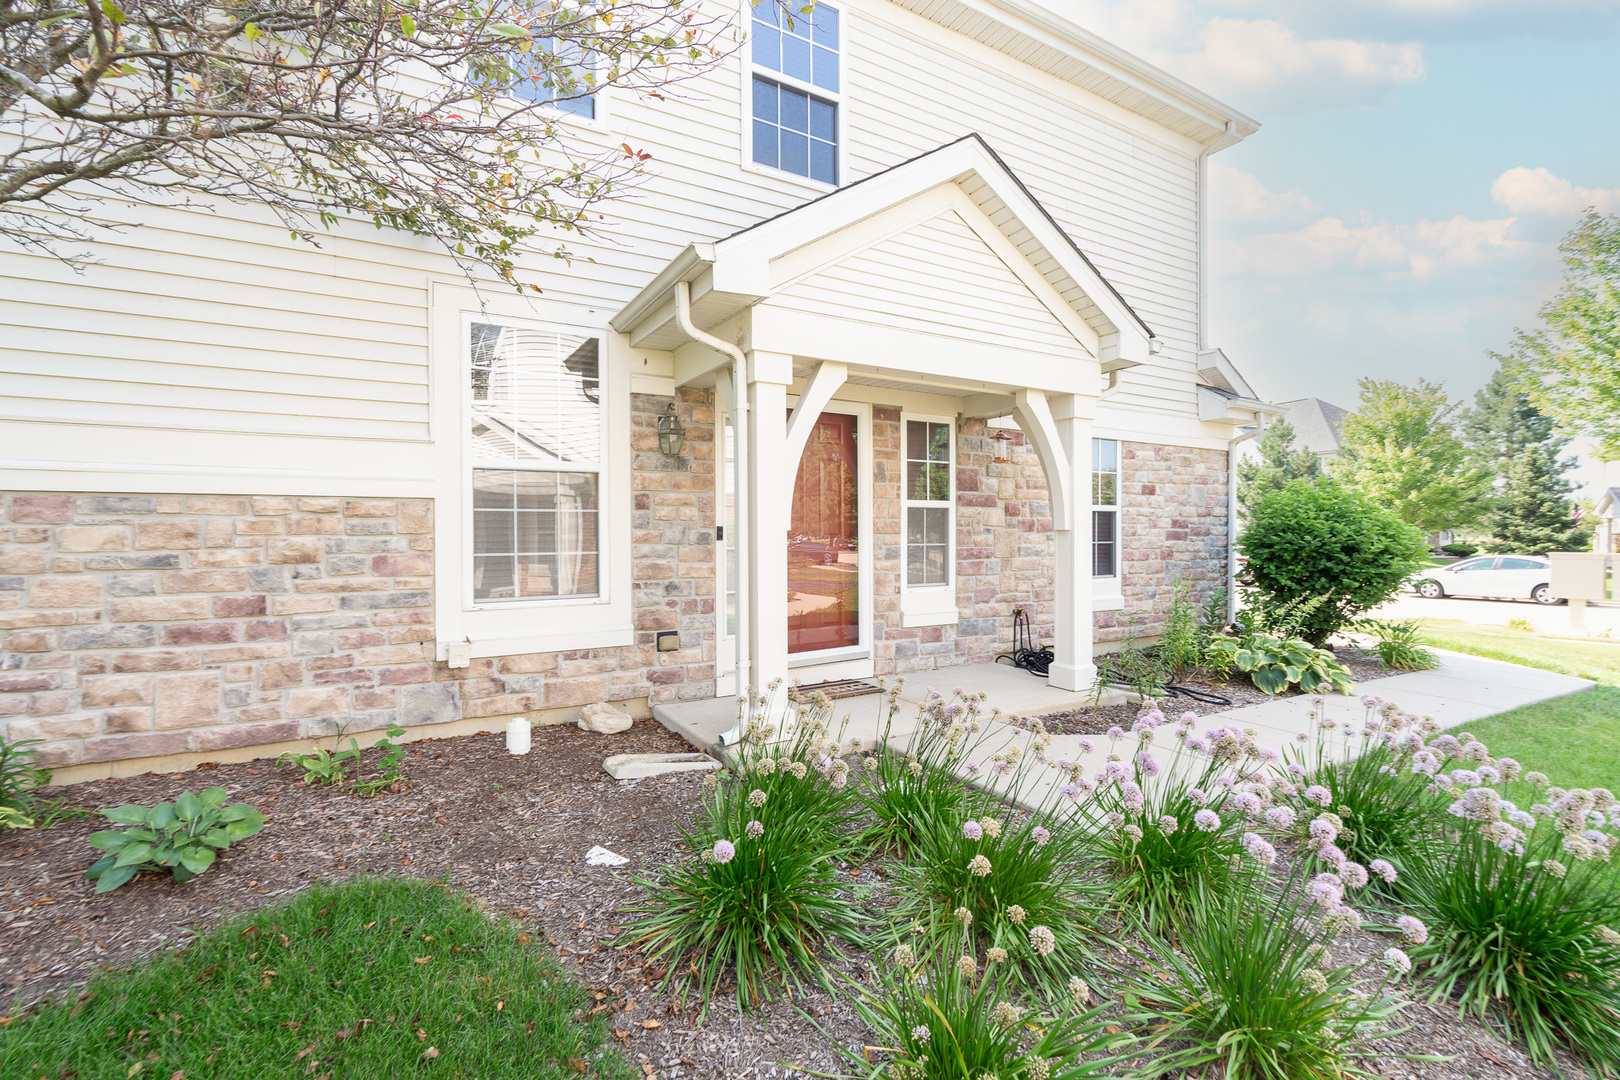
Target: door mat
{"type": "Point", "coordinates": [835, 689]}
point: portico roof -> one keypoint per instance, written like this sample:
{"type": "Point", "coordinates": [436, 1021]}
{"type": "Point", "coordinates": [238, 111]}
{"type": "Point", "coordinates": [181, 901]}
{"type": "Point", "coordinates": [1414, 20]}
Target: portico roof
{"type": "Point", "coordinates": [965, 182]}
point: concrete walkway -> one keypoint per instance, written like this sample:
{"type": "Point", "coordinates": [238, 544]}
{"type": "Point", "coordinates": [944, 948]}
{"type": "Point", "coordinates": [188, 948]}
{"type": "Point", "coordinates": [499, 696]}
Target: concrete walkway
{"type": "Point", "coordinates": [1463, 689]}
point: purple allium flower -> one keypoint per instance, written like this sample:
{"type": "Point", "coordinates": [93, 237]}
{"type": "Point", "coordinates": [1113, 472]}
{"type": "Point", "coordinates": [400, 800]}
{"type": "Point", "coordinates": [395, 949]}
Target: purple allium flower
{"type": "Point", "coordinates": [1244, 802]}
{"type": "Point", "coordinates": [1001, 768]}
{"type": "Point", "coordinates": [1130, 794]}
{"type": "Point", "coordinates": [1116, 733]}
{"type": "Point", "coordinates": [724, 851]}
{"type": "Point", "coordinates": [1399, 963]}
{"type": "Point", "coordinates": [1327, 890]}
{"type": "Point", "coordinates": [1168, 824]}
{"type": "Point", "coordinates": [1259, 849]}
{"type": "Point", "coordinates": [754, 829]}
{"type": "Point", "coordinates": [1145, 762]}
{"type": "Point", "coordinates": [1384, 870]}
{"type": "Point", "coordinates": [1207, 820]}
{"type": "Point", "coordinates": [1319, 795]}
{"type": "Point", "coordinates": [1114, 819]}
{"type": "Point", "coordinates": [1425, 763]}
{"type": "Point", "coordinates": [1197, 746]}
{"type": "Point", "coordinates": [1189, 717]}
{"type": "Point", "coordinates": [1196, 796]}
{"type": "Point", "coordinates": [972, 830]}
{"type": "Point", "coordinates": [1324, 830]}
{"type": "Point", "coordinates": [1268, 756]}
{"type": "Point", "coordinates": [973, 768]}
{"type": "Point", "coordinates": [1071, 792]}
{"type": "Point", "coordinates": [1040, 836]}
{"type": "Point", "coordinates": [1330, 854]}
{"type": "Point", "coordinates": [1087, 746]}
{"type": "Point", "coordinates": [1354, 874]}
{"type": "Point", "coordinates": [1280, 817]}
{"type": "Point", "coordinates": [1413, 932]}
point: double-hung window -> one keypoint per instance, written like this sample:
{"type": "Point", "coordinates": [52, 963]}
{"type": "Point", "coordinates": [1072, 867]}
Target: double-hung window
{"type": "Point", "coordinates": [1104, 508]}
{"type": "Point", "coordinates": [795, 90]}
{"type": "Point", "coordinates": [563, 78]}
{"type": "Point", "coordinates": [535, 450]}
{"type": "Point", "coordinates": [928, 503]}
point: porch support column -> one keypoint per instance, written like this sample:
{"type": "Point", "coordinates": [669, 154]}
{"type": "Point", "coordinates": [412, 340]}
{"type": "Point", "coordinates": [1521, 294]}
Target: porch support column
{"type": "Point", "coordinates": [1061, 434]}
{"type": "Point", "coordinates": [770, 501]}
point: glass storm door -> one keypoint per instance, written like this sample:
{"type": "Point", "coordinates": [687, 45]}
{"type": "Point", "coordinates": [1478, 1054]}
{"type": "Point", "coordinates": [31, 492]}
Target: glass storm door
{"type": "Point", "coordinates": [824, 577]}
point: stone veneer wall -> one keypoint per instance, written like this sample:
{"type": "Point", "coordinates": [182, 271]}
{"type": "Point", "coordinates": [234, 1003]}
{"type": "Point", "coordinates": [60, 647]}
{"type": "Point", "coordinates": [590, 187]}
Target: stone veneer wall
{"type": "Point", "coordinates": [143, 625]}
{"type": "Point", "coordinates": [1172, 528]}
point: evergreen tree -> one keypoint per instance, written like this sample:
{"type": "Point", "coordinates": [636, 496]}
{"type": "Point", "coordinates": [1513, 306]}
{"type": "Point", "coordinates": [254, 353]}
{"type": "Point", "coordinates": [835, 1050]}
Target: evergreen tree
{"type": "Point", "coordinates": [1532, 513]}
{"type": "Point", "coordinates": [1503, 422]}
{"type": "Point", "coordinates": [1279, 463]}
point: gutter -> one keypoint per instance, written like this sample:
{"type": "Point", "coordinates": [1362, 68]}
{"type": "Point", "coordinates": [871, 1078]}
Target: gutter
{"type": "Point", "coordinates": [1232, 511]}
{"type": "Point", "coordinates": [739, 399]}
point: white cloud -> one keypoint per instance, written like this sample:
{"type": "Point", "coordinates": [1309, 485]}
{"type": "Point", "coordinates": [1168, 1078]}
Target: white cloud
{"type": "Point", "coordinates": [1539, 191]}
{"type": "Point", "coordinates": [1264, 52]}
{"type": "Point", "coordinates": [1237, 194]}
{"type": "Point", "coordinates": [1424, 249]}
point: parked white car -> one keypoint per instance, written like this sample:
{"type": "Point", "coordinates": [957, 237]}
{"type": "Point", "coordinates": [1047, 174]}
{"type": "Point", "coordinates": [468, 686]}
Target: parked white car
{"type": "Point", "coordinates": [1511, 577]}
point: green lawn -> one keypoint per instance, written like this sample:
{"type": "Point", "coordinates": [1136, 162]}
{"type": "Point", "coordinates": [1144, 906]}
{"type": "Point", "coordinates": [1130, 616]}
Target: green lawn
{"type": "Point", "coordinates": [1574, 740]}
{"type": "Point", "coordinates": [368, 979]}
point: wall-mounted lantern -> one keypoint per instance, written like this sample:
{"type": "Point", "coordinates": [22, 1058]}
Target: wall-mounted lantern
{"type": "Point", "coordinates": [671, 436]}
{"type": "Point", "coordinates": [1001, 439]}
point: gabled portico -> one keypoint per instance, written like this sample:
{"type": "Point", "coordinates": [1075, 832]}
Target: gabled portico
{"type": "Point", "coordinates": [940, 283]}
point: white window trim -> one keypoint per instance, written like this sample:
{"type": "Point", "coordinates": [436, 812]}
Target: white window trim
{"type": "Point", "coordinates": [551, 624]}
{"type": "Point", "coordinates": [1108, 593]}
{"type": "Point", "coordinates": [839, 99]}
{"type": "Point", "coordinates": [928, 605]}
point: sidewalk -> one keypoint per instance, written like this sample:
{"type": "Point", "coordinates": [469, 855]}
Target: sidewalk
{"type": "Point", "coordinates": [1461, 690]}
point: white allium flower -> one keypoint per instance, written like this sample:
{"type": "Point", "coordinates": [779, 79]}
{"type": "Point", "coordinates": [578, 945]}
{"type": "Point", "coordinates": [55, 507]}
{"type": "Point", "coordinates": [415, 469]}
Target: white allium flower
{"type": "Point", "coordinates": [979, 866]}
{"type": "Point", "coordinates": [766, 766]}
{"type": "Point", "coordinates": [756, 798]}
{"type": "Point", "coordinates": [1399, 963]}
{"type": "Point", "coordinates": [799, 770]}
{"type": "Point", "coordinates": [754, 829]}
{"type": "Point", "coordinates": [991, 827]}
{"type": "Point", "coordinates": [1554, 867]}
{"type": "Point", "coordinates": [963, 916]}
{"type": "Point", "coordinates": [1042, 940]}
{"type": "Point", "coordinates": [995, 955]}
{"type": "Point", "coordinates": [1015, 915]}
{"type": "Point", "coordinates": [904, 957]}
{"type": "Point", "coordinates": [921, 1034]}
{"type": "Point", "coordinates": [723, 851]}
{"type": "Point", "coordinates": [1412, 929]}
{"type": "Point", "coordinates": [1079, 991]}
{"type": "Point", "coordinates": [1038, 1068]}
{"type": "Point", "coordinates": [966, 966]}
{"type": "Point", "coordinates": [1006, 1014]}
{"type": "Point", "coordinates": [1314, 981]}
{"type": "Point", "coordinates": [1607, 935]}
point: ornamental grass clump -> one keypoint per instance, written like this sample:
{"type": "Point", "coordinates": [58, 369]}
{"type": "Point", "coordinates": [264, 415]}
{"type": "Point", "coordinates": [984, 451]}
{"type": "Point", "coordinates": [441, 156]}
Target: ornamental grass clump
{"type": "Point", "coordinates": [1251, 987]}
{"type": "Point", "coordinates": [955, 1013]}
{"type": "Point", "coordinates": [1376, 778]}
{"type": "Point", "coordinates": [907, 781]}
{"type": "Point", "coordinates": [760, 899]}
{"type": "Point", "coordinates": [1523, 913]}
{"type": "Point", "coordinates": [1018, 881]}
{"type": "Point", "coordinates": [1170, 832]}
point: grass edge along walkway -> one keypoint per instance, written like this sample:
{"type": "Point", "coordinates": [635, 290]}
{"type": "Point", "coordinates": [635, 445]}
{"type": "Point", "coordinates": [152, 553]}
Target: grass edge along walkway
{"type": "Point", "coordinates": [371, 977]}
{"type": "Point", "coordinates": [1575, 740]}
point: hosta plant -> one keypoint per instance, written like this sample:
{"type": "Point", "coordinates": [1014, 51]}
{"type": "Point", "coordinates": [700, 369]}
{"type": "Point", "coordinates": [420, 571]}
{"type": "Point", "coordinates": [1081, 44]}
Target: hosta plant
{"type": "Point", "coordinates": [1249, 987]}
{"type": "Point", "coordinates": [1276, 663]}
{"type": "Point", "coordinates": [183, 837]}
{"type": "Point", "coordinates": [761, 899]}
{"type": "Point", "coordinates": [955, 1013]}
{"type": "Point", "coordinates": [1523, 909]}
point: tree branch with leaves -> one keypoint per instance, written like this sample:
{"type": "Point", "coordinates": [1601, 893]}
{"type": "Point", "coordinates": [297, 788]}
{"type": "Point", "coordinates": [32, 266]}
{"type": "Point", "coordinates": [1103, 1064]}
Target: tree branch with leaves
{"type": "Point", "coordinates": [434, 117]}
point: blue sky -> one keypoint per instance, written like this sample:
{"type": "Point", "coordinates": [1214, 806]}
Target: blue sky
{"type": "Point", "coordinates": [1399, 211]}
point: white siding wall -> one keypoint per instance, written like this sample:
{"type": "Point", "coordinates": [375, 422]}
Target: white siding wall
{"type": "Point", "coordinates": [213, 346]}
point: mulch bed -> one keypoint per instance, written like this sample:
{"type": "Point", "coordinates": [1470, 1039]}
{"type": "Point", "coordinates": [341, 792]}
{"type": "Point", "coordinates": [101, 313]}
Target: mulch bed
{"type": "Point", "coordinates": [512, 831]}
{"type": "Point", "coordinates": [1364, 665]}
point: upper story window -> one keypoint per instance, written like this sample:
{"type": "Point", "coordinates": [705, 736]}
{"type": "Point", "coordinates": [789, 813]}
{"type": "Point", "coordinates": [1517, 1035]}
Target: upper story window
{"type": "Point", "coordinates": [795, 88]}
{"type": "Point", "coordinates": [535, 448]}
{"type": "Point", "coordinates": [565, 88]}
{"type": "Point", "coordinates": [928, 503]}
{"type": "Point", "coordinates": [1104, 508]}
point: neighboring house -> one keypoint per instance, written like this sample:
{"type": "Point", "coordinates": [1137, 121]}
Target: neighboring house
{"type": "Point", "coordinates": [260, 491]}
{"type": "Point", "coordinates": [1606, 536]}
{"type": "Point", "coordinates": [1316, 425]}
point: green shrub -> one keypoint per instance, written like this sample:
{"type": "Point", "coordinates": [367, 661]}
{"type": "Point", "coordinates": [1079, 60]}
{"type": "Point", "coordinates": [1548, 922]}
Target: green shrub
{"type": "Point", "coordinates": [1523, 910]}
{"type": "Point", "coordinates": [1398, 644]}
{"type": "Point", "coordinates": [1330, 541]}
{"type": "Point", "coordinates": [761, 898]}
{"type": "Point", "coordinates": [953, 1013]}
{"type": "Point", "coordinates": [1462, 551]}
{"type": "Point", "coordinates": [1276, 663]}
{"type": "Point", "coordinates": [1247, 987]}
{"type": "Point", "coordinates": [183, 837]}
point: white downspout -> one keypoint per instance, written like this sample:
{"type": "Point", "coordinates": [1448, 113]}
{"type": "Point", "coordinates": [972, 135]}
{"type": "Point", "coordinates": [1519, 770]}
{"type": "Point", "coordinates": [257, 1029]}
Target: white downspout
{"type": "Point", "coordinates": [739, 398]}
{"type": "Point", "coordinates": [1232, 511]}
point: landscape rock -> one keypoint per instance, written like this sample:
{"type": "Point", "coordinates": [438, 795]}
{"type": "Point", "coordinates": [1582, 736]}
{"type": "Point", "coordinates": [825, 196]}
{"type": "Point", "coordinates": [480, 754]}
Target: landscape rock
{"type": "Point", "coordinates": [603, 719]}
